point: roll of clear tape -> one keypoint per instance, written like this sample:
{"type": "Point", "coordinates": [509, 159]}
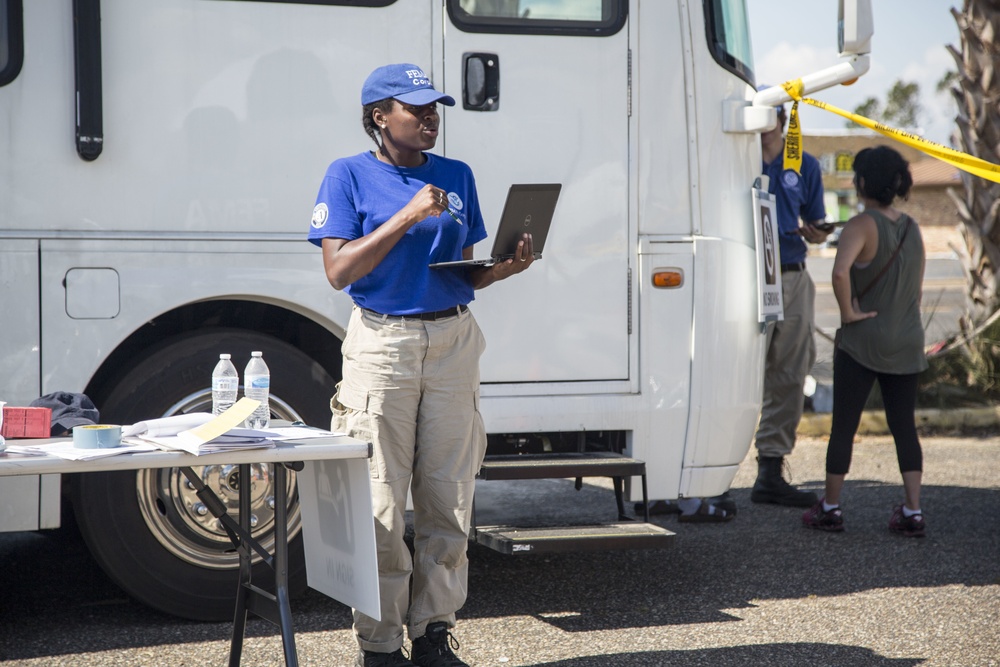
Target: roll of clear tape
{"type": "Point", "coordinates": [97, 436]}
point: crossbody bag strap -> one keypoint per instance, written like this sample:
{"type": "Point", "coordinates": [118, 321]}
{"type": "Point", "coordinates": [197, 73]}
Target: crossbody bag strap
{"type": "Point", "coordinates": [885, 268]}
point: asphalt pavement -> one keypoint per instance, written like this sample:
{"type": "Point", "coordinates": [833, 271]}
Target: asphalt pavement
{"type": "Point", "coordinates": [760, 590]}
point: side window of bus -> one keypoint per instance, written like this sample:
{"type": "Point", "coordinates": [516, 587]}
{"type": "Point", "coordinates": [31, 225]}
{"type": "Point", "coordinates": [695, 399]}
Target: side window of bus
{"type": "Point", "coordinates": [11, 40]}
{"type": "Point", "coordinates": [349, 3]}
{"type": "Point", "coordinates": [546, 17]}
{"type": "Point", "coordinates": [728, 34]}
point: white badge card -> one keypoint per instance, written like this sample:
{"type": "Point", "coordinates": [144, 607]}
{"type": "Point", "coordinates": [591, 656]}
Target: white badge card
{"type": "Point", "coordinates": [769, 303]}
{"type": "Point", "coordinates": [339, 533]}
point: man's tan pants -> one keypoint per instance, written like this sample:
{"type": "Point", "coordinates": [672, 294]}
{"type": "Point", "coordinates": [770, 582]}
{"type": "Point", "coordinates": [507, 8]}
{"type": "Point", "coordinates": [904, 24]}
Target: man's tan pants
{"type": "Point", "coordinates": [791, 352]}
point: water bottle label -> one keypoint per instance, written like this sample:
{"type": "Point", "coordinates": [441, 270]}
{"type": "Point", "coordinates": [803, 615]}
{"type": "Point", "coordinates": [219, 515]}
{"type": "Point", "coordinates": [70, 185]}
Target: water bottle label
{"type": "Point", "coordinates": [225, 384]}
{"type": "Point", "coordinates": [259, 382]}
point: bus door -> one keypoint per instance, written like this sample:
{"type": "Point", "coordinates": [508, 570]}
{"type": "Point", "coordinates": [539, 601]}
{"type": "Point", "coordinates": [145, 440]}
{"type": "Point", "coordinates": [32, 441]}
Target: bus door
{"type": "Point", "coordinates": [542, 96]}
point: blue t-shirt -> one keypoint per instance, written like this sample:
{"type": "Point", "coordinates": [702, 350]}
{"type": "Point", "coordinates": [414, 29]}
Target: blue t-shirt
{"type": "Point", "coordinates": [797, 196]}
{"type": "Point", "coordinates": [359, 193]}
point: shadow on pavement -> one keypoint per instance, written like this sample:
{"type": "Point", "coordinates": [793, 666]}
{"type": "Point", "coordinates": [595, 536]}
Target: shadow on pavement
{"type": "Point", "coordinates": [773, 655]}
{"type": "Point", "coordinates": [710, 572]}
{"type": "Point", "coordinates": [764, 554]}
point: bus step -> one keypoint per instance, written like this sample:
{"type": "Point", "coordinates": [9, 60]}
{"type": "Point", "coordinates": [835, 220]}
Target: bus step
{"type": "Point", "coordinates": [549, 466]}
{"type": "Point", "coordinates": [512, 540]}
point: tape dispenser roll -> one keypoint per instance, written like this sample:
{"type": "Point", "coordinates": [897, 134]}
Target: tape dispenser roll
{"type": "Point", "coordinates": [97, 436]}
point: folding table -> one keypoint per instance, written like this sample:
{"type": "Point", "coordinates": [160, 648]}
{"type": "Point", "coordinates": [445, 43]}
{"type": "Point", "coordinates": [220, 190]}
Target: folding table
{"type": "Point", "coordinates": [272, 606]}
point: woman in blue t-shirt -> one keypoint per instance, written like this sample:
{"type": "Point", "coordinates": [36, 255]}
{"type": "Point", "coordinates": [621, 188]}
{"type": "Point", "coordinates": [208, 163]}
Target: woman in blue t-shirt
{"type": "Point", "coordinates": [411, 355]}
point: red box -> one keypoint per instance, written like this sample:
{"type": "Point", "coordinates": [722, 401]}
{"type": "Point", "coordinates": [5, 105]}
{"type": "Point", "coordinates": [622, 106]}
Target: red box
{"type": "Point", "coordinates": [26, 422]}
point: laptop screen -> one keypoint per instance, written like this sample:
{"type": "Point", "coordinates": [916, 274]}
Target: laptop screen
{"type": "Point", "coordinates": [528, 208]}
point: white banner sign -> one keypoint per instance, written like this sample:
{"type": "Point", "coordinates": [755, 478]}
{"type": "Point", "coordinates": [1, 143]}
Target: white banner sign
{"type": "Point", "coordinates": [769, 302]}
{"type": "Point", "coordinates": [338, 531]}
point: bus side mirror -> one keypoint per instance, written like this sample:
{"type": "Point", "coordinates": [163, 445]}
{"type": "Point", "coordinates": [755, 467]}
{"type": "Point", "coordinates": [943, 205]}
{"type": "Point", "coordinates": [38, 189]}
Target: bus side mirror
{"type": "Point", "coordinates": [854, 27]}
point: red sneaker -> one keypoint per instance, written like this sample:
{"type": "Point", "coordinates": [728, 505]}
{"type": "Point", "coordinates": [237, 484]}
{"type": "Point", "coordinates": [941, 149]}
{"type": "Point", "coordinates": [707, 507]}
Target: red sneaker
{"type": "Point", "coordinates": [815, 517]}
{"type": "Point", "coordinates": [907, 526]}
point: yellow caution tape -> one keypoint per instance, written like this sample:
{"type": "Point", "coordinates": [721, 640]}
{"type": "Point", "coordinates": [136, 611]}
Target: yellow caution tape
{"type": "Point", "coordinates": [793, 142]}
{"type": "Point", "coordinates": [793, 137]}
{"type": "Point", "coordinates": [963, 161]}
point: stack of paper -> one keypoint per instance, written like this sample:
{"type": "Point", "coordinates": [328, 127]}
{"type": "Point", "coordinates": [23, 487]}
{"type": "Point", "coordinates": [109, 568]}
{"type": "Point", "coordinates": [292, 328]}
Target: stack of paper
{"type": "Point", "coordinates": [66, 450]}
{"type": "Point", "coordinates": [201, 433]}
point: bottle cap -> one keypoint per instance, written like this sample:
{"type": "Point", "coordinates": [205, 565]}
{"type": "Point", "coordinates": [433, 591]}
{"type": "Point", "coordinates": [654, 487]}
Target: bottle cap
{"type": "Point", "coordinates": [256, 354]}
{"type": "Point", "coordinates": [225, 356]}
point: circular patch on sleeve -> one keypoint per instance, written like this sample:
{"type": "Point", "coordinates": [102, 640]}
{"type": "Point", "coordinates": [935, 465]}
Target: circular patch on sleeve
{"type": "Point", "coordinates": [320, 214]}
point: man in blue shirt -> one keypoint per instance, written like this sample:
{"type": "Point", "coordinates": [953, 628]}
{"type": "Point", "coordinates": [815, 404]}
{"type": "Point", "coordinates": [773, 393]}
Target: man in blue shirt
{"type": "Point", "coordinates": [791, 349]}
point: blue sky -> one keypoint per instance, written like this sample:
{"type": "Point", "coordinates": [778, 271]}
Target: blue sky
{"type": "Point", "coordinates": [795, 37]}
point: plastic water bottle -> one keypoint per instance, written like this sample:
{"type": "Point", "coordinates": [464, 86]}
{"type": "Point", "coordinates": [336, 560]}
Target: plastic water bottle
{"type": "Point", "coordinates": [225, 385]}
{"type": "Point", "coordinates": [257, 385]}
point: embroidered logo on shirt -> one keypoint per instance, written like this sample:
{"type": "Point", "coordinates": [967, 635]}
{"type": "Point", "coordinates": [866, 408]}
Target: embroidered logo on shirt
{"type": "Point", "coordinates": [455, 201]}
{"type": "Point", "coordinates": [320, 214]}
{"type": "Point", "coordinates": [790, 178]}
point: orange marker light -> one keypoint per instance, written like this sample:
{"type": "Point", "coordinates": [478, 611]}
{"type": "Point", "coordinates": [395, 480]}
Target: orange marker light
{"type": "Point", "coordinates": [668, 278]}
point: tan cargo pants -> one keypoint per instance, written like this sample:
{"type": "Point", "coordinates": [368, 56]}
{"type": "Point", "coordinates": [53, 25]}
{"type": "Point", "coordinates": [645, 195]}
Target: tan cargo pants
{"type": "Point", "coordinates": [411, 388]}
{"type": "Point", "coordinates": [791, 353]}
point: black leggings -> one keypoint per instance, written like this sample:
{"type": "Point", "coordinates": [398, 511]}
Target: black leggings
{"type": "Point", "coordinates": [852, 383]}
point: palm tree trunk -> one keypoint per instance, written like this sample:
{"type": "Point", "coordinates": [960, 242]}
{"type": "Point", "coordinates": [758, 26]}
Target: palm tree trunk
{"type": "Point", "coordinates": [977, 93]}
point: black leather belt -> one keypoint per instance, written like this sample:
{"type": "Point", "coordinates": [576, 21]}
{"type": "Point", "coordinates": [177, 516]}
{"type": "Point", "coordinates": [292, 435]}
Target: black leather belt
{"type": "Point", "coordinates": [795, 266]}
{"type": "Point", "coordinates": [436, 315]}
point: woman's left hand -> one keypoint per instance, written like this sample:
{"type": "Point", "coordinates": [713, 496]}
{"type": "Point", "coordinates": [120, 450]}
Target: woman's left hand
{"type": "Point", "coordinates": [524, 256]}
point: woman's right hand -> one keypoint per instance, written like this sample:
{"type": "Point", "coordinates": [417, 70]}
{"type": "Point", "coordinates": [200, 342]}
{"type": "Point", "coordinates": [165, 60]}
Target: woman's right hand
{"type": "Point", "coordinates": [348, 261]}
{"type": "Point", "coordinates": [430, 201]}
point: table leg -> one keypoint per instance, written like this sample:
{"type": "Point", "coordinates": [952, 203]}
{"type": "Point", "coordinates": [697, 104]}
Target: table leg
{"type": "Point", "coordinates": [281, 565]}
{"type": "Point", "coordinates": [273, 607]}
{"type": "Point", "coordinates": [246, 564]}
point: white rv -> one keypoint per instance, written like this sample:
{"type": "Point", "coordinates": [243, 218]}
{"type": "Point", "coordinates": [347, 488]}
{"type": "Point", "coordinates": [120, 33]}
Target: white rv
{"type": "Point", "coordinates": [160, 164]}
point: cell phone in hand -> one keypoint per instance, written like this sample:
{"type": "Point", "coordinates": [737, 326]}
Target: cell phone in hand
{"type": "Point", "coordinates": [825, 227]}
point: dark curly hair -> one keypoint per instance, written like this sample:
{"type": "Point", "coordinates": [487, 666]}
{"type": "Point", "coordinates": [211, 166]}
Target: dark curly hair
{"type": "Point", "coordinates": [385, 106]}
{"type": "Point", "coordinates": [885, 173]}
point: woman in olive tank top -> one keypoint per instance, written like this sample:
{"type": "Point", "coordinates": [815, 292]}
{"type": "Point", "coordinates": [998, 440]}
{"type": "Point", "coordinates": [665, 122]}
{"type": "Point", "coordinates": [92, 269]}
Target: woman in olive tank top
{"type": "Point", "coordinates": [877, 279]}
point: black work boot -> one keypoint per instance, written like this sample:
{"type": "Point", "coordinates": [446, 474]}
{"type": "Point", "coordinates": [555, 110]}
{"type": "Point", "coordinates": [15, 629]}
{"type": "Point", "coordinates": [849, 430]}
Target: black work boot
{"type": "Point", "coordinates": [434, 649]}
{"type": "Point", "coordinates": [771, 487]}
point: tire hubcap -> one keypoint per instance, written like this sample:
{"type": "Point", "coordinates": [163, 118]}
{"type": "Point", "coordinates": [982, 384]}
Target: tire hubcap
{"type": "Point", "coordinates": [182, 522]}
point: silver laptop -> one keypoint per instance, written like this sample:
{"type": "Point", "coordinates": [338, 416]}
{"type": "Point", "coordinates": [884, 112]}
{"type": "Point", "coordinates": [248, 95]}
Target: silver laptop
{"type": "Point", "coordinates": [529, 208]}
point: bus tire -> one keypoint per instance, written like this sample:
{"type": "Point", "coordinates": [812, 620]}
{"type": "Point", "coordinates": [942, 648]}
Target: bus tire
{"type": "Point", "coordinates": [145, 528]}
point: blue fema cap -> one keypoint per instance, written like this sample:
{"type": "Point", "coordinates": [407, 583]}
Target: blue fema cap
{"type": "Point", "coordinates": [404, 82]}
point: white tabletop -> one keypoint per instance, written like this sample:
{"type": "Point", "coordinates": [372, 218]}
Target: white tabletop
{"type": "Point", "coordinates": [310, 449]}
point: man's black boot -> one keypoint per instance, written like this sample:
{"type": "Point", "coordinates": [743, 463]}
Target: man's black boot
{"type": "Point", "coordinates": [771, 487]}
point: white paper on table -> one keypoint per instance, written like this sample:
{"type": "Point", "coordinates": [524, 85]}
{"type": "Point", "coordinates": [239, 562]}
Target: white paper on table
{"type": "Point", "coordinates": [66, 450]}
{"type": "Point", "coordinates": [155, 428]}
{"type": "Point", "coordinates": [222, 443]}
{"type": "Point", "coordinates": [24, 449]}
{"type": "Point", "coordinates": [201, 433]}
{"type": "Point", "coordinates": [230, 419]}
{"type": "Point", "coordinates": [299, 433]}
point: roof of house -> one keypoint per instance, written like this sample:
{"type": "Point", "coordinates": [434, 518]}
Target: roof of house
{"type": "Point", "coordinates": [934, 172]}
{"type": "Point", "coordinates": [926, 171]}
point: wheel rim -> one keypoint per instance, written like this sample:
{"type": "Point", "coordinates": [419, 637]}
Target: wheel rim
{"type": "Point", "coordinates": [181, 523]}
